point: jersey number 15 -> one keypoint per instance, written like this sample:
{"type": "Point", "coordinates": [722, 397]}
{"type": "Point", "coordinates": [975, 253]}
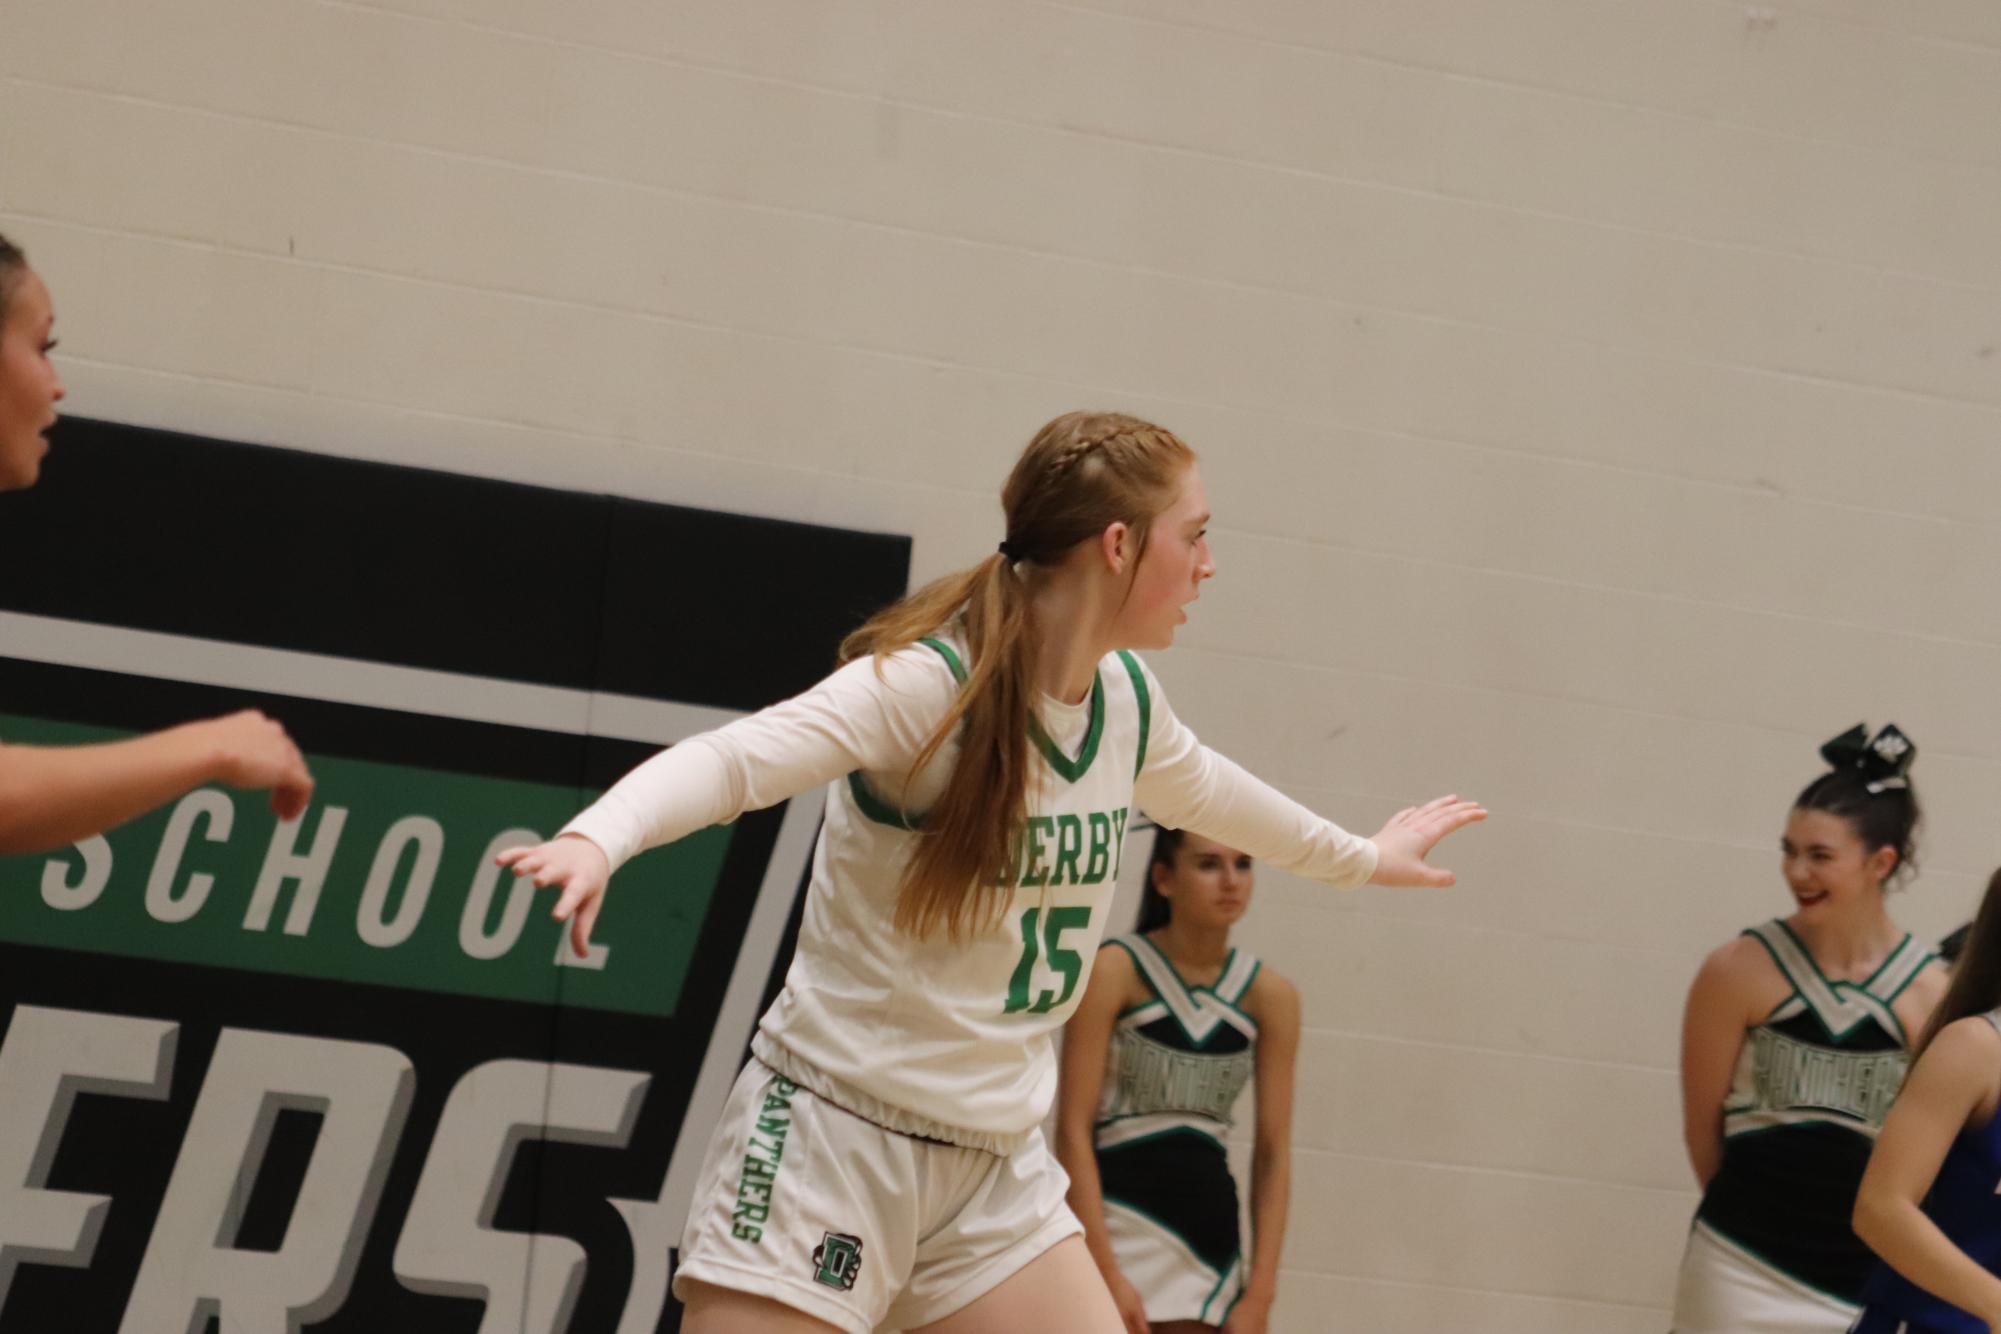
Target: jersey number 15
{"type": "Point", "coordinates": [1067, 962]}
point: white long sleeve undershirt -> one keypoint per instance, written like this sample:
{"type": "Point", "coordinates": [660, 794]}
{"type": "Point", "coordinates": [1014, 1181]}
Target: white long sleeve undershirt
{"type": "Point", "coordinates": [857, 719]}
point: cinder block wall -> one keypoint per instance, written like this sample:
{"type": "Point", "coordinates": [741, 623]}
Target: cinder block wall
{"type": "Point", "coordinates": [1598, 398]}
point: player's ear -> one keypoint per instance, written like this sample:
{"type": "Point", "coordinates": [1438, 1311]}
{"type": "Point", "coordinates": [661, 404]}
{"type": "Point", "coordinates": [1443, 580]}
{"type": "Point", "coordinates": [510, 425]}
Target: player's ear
{"type": "Point", "coordinates": [1114, 545]}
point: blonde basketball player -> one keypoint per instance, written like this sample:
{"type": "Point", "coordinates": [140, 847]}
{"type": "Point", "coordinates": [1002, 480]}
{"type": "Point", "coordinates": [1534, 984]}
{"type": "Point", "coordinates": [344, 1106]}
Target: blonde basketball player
{"type": "Point", "coordinates": [880, 1161]}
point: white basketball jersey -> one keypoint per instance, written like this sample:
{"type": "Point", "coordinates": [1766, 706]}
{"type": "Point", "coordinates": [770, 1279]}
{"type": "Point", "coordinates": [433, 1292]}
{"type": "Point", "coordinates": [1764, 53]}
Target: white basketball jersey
{"type": "Point", "coordinates": [948, 1039]}
{"type": "Point", "coordinates": [941, 1038]}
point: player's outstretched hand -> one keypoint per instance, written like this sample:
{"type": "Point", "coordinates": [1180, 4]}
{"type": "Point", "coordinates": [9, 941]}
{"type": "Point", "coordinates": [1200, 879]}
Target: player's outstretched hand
{"type": "Point", "coordinates": [578, 868]}
{"type": "Point", "coordinates": [1404, 843]}
{"type": "Point", "coordinates": [253, 751]}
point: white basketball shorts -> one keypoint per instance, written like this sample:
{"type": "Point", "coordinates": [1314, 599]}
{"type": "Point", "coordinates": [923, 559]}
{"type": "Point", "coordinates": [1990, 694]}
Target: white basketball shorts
{"type": "Point", "coordinates": [815, 1207]}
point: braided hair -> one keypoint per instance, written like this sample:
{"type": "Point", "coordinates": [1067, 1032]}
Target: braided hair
{"type": "Point", "coordinates": [1082, 473]}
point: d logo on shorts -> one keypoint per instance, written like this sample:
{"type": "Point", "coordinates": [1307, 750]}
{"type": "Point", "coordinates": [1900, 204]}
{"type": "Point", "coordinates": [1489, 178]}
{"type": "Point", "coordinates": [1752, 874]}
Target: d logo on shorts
{"type": "Point", "coordinates": [837, 1261]}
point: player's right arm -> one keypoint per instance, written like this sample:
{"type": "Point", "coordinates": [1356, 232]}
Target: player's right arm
{"type": "Point", "coordinates": [53, 795]}
{"type": "Point", "coordinates": [1719, 1010]}
{"type": "Point", "coordinates": [1955, 1084]}
{"type": "Point", "coordinates": [1086, 1038]}
{"type": "Point", "coordinates": [858, 718]}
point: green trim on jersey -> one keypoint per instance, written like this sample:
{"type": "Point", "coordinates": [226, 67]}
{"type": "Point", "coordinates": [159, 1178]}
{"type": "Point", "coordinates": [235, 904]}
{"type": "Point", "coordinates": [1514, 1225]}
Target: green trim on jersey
{"type": "Point", "coordinates": [1787, 1077]}
{"type": "Point", "coordinates": [1842, 1005]}
{"type": "Point", "coordinates": [1916, 973]}
{"type": "Point", "coordinates": [1791, 996]}
{"type": "Point", "coordinates": [1216, 1140]}
{"type": "Point", "coordinates": [1750, 1252]}
{"type": "Point", "coordinates": [1229, 962]}
{"type": "Point", "coordinates": [867, 802]}
{"type": "Point", "coordinates": [1235, 1261]}
{"type": "Point", "coordinates": [1868, 983]}
{"type": "Point", "coordinates": [878, 810]}
{"type": "Point", "coordinates": [1175, 973]}
{"type": "Point", "coordinates": [1179, 1236]}
{"type": "Point", "coordinates": [1755, 1131]}
{"type": "Point", "coordinates": [1257, 967]}
{"type": "Point", "coordinates": [1134, 1116]}
{"type": "Point", "coordinates": [1184, 1003]}
{"type": "Point", "coordinates": [1896, 955]}
{"type": "Point", "coordinates": [883, 813]}
{"type": "Point", "coordinates": [1145, 699]}
{"type": "Point", "coordinates": [951, 658]}
{"type": "Point", "coordinates": [1072, 770]}
{"type": "Point", "coordinates": [1234, 1264]}
{"type": "Point", "coordinates": [1148, 1004]}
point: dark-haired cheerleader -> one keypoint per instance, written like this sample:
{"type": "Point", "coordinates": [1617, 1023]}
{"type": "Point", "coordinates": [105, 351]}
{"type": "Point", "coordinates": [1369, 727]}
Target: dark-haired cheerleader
{"type": "Point", "coordinates": [1794, 1043]}
{"type": "Point", "coordinates": [1173, 1025]}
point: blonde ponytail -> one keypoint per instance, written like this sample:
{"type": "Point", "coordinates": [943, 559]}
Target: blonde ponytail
{"type": "Point", "coordinates": [1081, 473]}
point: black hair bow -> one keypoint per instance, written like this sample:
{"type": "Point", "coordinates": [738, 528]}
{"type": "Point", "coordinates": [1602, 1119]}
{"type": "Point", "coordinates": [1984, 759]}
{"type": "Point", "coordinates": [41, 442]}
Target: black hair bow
{"type": "Point", "coordinates": [1884, 760]}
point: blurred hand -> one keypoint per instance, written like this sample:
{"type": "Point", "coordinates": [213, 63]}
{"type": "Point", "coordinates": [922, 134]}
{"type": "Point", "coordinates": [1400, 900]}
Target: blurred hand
{"type": "Point", "coordinates": [253, 751]}
{"type": "Point", "coordinates": [1404, 843]}
{"type": "Point", "coordinates": [575, 866]}
{"type": "Point", "coordinates": [1248, 1316]}
{"type": "Point", "coordinates": [1132, 1308]}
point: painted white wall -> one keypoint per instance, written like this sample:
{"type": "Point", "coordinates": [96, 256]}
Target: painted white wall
{"type": "Point", "coordinates": [1599, 399]}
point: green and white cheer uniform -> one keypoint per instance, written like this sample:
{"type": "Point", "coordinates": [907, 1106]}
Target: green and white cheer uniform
{"type": "Point", "coordinates": [1771, 1250]}
{"type": "Point", "coordinates": [1173, 1072]}
{"type": "Point", "coordinates": [936, 1040]}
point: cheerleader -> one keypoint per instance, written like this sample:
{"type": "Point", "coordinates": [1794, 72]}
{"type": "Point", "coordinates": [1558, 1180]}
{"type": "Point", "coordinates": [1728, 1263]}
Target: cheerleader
{"type": "Point", "coordinates": [1173, 1026]}
{"type": "Point", "coordinates": [1794, 1043]}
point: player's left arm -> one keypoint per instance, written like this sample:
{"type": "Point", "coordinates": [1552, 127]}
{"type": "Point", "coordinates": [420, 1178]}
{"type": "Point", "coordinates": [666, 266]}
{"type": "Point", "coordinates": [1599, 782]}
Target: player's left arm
{"type": "Point", "coordinates": [1186, 785]}
{"type": "Point", "coordinates": [1274, 1003]}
